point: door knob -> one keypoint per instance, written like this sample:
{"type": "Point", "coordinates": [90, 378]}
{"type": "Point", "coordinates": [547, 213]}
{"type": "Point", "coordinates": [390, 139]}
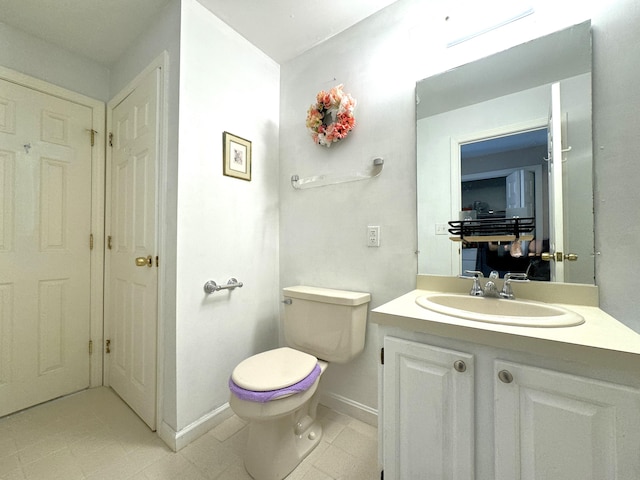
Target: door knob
{"type": "Point", "coordinates": [144, 261]}
{"type": "Point", "coordinates": [559, 256]}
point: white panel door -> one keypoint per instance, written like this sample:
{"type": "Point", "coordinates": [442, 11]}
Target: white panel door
{"type": "Point", "coordinates": [428, 412]}
{"type": "Point", "coordinates": [45, 226]}
{"type": "Point", "coordinates": [131, 304]}
{"type": "Point", "coordinates": [552, 426]}
{"type": "Point", "coordinates": [556, 208]}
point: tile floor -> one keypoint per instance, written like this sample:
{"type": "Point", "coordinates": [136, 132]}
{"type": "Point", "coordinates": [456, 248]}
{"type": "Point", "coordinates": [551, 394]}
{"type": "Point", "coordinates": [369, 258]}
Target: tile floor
{"type": "Point", "coordinates": [93, 435]}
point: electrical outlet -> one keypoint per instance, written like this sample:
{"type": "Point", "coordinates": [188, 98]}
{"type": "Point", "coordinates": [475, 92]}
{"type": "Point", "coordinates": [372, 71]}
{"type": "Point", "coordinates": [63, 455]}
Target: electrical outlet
{"type": "Point", "coordinates": [373, 236]}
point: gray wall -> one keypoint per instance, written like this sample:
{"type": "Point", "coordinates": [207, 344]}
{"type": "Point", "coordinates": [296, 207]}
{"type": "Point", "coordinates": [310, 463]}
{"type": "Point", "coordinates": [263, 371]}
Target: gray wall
{"type": "Point", "coordinates": [616, 148]}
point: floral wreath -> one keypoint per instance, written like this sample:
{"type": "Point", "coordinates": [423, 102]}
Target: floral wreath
{"type": "Point", "coordinates": [331, 118]}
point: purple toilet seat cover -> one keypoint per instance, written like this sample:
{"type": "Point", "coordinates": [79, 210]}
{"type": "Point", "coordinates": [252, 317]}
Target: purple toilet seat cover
{"type": "Point", "coordinates": [263, 397]}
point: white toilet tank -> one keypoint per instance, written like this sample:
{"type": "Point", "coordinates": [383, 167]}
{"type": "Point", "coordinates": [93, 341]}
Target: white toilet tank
{"type": "Point", "coordinates": [328, 324]}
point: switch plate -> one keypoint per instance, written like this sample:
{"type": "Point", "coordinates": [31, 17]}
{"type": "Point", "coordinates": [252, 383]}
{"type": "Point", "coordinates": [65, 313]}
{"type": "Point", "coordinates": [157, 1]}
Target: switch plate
{"type": "Point", "coordinates": [441, 229]}
{"type": "Point", "coordinates": [373, 236]}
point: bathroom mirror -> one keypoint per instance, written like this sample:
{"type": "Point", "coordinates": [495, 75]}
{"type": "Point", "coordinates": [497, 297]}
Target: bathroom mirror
{"type": "Point", "coordinates": [516, 121]}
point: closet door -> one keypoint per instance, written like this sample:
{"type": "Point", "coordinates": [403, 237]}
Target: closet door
{"type": "Point", "coordinates": [45, 228]}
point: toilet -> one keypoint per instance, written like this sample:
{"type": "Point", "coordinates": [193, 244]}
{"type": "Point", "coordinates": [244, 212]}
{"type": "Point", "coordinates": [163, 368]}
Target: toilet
{"type": "Point", "coordinates": [276, 391]}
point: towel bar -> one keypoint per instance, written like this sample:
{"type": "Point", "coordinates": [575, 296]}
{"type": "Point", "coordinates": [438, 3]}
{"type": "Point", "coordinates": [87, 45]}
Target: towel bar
{"type": "Point", "coordinates": [212, 287]}
{"type": "Point", "coordinates": [324, 180]}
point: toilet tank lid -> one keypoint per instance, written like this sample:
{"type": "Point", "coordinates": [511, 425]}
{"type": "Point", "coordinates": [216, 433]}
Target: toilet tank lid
{"type": "Point", "coordinates": [327, 295]}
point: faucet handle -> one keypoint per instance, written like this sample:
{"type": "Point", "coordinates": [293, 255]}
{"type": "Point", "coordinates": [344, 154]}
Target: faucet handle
{"type": "Point", "coordinates": [507, 291]}
{"type": "Point", "coordinates": [473, 274]}
{"type": "Point", "coordinates": [476, 288]}
{"type": "Point", "coordinates": [516, 277]}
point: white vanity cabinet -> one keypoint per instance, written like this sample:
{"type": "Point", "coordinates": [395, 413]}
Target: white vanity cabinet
{"type": "Point", "coordinates": [428, 403]}
{"type": "Point", "coordinates": [534, 403]}
{"type": "Point", "coordinates": [455, 410]}
{"type": "Point", "coordinates": [551, 425]}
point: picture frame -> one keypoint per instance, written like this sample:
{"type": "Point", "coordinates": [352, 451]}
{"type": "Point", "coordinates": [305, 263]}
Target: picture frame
{"type": "Point", "coordinates": [236, 156]}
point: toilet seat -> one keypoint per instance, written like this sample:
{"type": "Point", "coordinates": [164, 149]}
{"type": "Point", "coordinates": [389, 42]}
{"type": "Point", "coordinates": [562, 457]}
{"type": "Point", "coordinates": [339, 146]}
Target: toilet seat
{"type": "Point", "coordinates": [274, 374]}
{"type": "Point", "coordinates": [273, 370]}
{"type": "Point", "coordinates": [263, 397]}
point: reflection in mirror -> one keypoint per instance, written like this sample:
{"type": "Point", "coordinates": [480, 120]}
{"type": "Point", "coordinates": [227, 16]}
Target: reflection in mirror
{"type": "Point", "coordinates": [505, 177]}
{"type": "Point", "coordinates": [486, 146]}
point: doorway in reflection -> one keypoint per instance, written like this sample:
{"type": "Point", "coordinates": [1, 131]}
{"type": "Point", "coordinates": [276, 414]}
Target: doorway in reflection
{"type": "Point", "coordinates": [506, 177]}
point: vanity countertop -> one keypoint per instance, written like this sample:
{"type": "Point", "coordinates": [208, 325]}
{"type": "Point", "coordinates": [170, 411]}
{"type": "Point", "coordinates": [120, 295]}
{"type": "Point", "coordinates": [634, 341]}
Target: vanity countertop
{"type": "Point", "coordinates": [600, 334]}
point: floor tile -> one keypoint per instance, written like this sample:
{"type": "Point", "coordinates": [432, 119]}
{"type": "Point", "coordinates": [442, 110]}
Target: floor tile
{"type": "Point", "coordinates": [94, 435]}
{"type": "Point", "coordinates": [61, 465]}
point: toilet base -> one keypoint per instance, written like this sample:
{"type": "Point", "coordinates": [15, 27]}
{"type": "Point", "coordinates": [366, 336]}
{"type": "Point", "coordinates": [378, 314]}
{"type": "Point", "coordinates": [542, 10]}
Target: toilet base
{"type": "Point", "coordinates": [276, 447]}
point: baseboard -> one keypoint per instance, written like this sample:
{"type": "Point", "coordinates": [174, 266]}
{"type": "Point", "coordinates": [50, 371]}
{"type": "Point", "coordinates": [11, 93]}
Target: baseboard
{"type": "Point", "coordinates": [176, 440]}
{"type": "Point", "coordinates": [182, 438]}
{"type": "Point", "coordinates": [349, 407]}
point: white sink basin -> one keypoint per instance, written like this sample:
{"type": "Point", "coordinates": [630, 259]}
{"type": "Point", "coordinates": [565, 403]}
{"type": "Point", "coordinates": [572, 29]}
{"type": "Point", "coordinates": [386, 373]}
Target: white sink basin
{"type": "Point", "coordinates": [499, 310]}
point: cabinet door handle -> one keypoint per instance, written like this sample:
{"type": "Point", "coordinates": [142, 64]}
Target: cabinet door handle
{"type": "Point", "coordinates": [505, 376]}
{"type": "Point", "coordinates": [460, 366]}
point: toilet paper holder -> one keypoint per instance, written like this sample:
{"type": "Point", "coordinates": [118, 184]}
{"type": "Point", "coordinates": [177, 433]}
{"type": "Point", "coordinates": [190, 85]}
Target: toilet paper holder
{"type": "Point", "coordinates": [212, 287]}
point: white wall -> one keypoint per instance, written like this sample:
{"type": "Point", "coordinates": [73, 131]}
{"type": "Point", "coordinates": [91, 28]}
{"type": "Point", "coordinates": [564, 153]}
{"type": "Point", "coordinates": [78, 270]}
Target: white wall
{"type": "Point", "coordinates": [379, 60]}
{"type": "Point", "coordinates": [30, 55]}
{"type": "Point", "coordinates": [226, 227]}
{"type": "Point", "coordinates": [162, 35]}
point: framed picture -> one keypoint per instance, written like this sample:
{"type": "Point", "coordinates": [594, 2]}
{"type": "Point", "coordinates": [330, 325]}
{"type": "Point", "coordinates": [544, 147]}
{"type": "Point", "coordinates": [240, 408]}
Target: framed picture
{"type": "Point", "coordinates": [236, 156]}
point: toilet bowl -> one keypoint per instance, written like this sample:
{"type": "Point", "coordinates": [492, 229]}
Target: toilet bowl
{"type": "Point", "coordinates": [282, 425]}
{"type": "Point", "coordinates": [277, 391]}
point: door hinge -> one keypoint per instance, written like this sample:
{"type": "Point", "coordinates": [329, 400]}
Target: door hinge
{"type": "Point", "coordinates": [91, 241]}
{"type": "Point", "coordinates": [157, 261]}
{"type": "Point", "coordinates": [107, 346]}
{"type": "Point", "coordinates": [90, 347]}
{"type": "Point", "coordinates": [110, 139]}
{"type": "Point", "coordinates": [109, 242]}
{"type": "Point", "coordinates": [92, 135]}
{"type": "Point", "coordinates": [382, 355]}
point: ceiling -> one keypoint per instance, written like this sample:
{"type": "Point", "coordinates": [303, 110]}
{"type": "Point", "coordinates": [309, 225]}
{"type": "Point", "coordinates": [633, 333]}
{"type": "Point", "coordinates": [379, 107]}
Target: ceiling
{"type": "Point", "coordinates": [102, 30]}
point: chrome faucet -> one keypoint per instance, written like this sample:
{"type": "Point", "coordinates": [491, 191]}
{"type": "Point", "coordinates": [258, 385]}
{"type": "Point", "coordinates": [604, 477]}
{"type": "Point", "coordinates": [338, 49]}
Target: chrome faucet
{"type": "Point", "coordinates": [507, 291]}
{"type": "Point", "coordinates": [490, 289]}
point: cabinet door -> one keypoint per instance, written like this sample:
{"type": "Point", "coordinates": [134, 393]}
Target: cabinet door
{"type": "Point", "coordinates": [551, 426]}
{"type": "Point", "coordinates": [427, 412]}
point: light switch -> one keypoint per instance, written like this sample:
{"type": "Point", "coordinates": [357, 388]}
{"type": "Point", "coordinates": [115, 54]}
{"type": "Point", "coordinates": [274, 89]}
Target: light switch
{"type": "Point", "coordinates": [441, 229]}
